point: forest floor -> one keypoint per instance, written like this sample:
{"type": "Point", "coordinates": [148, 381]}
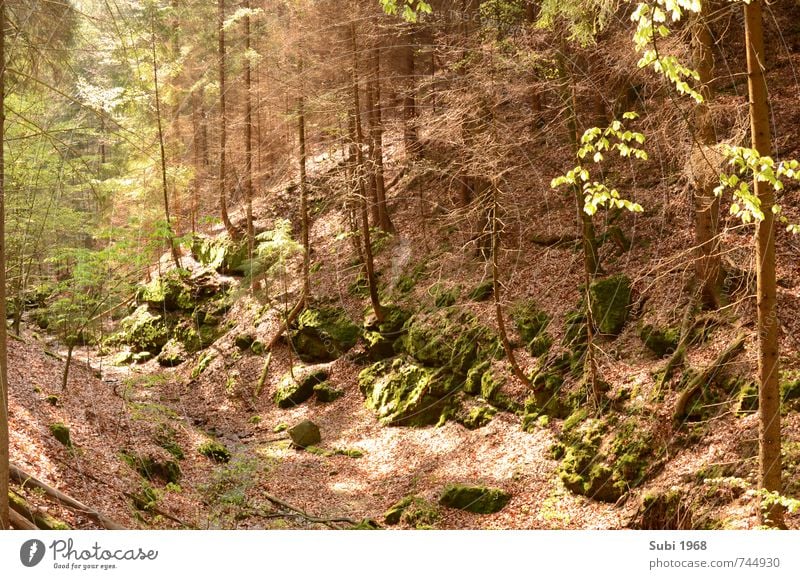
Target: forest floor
{"type": "Point", "coordinates": [112, 409]}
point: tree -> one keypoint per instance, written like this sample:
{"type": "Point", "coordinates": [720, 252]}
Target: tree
{"type": "Point", "coordinates": [4, 446]}
{"type": "Point", "coordinates": [223, 127]}
{"type": "Point", "coordinates": [769, 426]}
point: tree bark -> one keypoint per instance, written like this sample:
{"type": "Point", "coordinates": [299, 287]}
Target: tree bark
{"type": "Point", "coordinates": [410, 137]}
{"type": "Point", "coordinates": [223, 122]}
{"type": "Point", "coordinates": [4, 447]}
{"type": "Point", "coordinates": [707, 263]}
{"type": "Point", "coordinates": [164, 188]}
{"type": "Point", "coordinates": [360, 178]}
{"type": "Point", "coordinates": [384, 221]}
{"type": "Point", "coordinates": [769, 429]}
{"type": "Point", "coordinates": [248, 137]}
{"type": "Point", "coordinates": [302, 159]}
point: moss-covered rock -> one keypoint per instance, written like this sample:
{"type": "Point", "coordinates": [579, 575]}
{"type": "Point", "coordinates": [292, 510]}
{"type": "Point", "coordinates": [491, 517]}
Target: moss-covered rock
{"type": "Point", "coordinates": [530, 322]}
{"type": "Point", "coordinates": [610, 301]}
{"type": "Point", "coordinates": [475, 499]}
{"type": "Point", "coordinates": [172, 354]}
{"type": "Point", "coordinates": [325, 392]}
{"type": "Point", "coordinates": [170, 292]}
{"type": "Point", "coordinates": [404, 393]}
{"type": "Point", "coordinates": [413, 511]}
{"type": "Point", "coordinates": [297, 386]}
{"type": "Point", "coordinates": [660, 341]}
{"type": "Point", "coordinates": [449, 338]}
{"type": "Point", "coordinates": [214, 450]}
{"type": "Point", "coordinates": [151, 467]}
{"type": "Point", "coordinates": [482, 292]}
{"type": "Point", "coordinates": [304, 434]}
{"type": "Point", "coordinates": [143, 331]}
{"type": "Point", "coordinates": [477, 417]}
{"type": "Point", "coordinates": [381, 337]}
{"type": "Point", "coordinates": [323, 334]}
{"type": "Point", "coordinates": [60, 432]}
{"type": "Point", "coordinates": [165, 438]}
{"type": "Point", "coordinates": [219, 253]}
{"type": "Point", "coordinates": [472, 384]}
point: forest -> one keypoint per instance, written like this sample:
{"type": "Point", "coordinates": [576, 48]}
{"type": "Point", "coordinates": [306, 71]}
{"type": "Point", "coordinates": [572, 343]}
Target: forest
{"type": "Point", "coordinates": [400, 264]}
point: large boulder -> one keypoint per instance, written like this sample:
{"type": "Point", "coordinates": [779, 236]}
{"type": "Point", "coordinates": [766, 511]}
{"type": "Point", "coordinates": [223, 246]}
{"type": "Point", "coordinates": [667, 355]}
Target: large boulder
{"type": "Point", "coordinates": [304, 434]}
{"type": "Point", "coordinates": [323, 334]}
{"type": "Point", "coordinates": [404, 393]}
{"type": "Point", "coordinates": [448, 338]}
{"type": "Point", "coordinates": [219, 253]}
{"type": "Point", "coordinates": [382, 336]}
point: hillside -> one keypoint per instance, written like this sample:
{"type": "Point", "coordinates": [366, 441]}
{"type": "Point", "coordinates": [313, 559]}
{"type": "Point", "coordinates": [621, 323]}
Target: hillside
{"type": "Point", "coordinates": [188, 401]}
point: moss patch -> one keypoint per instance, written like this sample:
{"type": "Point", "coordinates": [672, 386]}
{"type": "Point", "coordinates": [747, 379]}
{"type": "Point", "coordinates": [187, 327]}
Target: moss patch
{"type": "Point", "coordinates": [381, 337]}
{"type": "Point", "coordinates": [325, 392]}
{"type": "Point", "coordinates": [475, 499]}
{"type": "Point", "coordinates": [413, 511]}
{"type": "Point", "coordinates": [610, 301]}
{"type": "Point", "coordinates": [297, 386]}
{"type": "Point", "coordinates": [152, 468]}
{"type": "Point", "coordinates": [477, 417]}
{"type": "Point", "coordinates": [531, 324]}
{"type": "Point", "coordinates": [404, 393]}
{"type": "Point", "coordinates": [143, 331]}
{"type": "Point", "coordinates": [214, 450]}
{"type": "Point", "coordinates": [660, 341]}
{"type": "Point", "coordinates": [323, 334]}
{"type": "Point", "coordinates": [60, 432]}
{"type": "Point", "coordinates": [482, 292]}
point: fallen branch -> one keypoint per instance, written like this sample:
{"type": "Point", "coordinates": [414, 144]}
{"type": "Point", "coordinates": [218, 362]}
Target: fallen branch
{"type": "Point", "coordinates": [24, 479]}
{"type": "Point", "coordinates": [287, 322]}
{"type": "Point", "coordinates": [19, 522]}
{"type": "Point", "coordinates": [328, 522]}
{"type": "Point", "coordinates": [263, 378]}
{"type": "Point", "coordinates": [705, 377]}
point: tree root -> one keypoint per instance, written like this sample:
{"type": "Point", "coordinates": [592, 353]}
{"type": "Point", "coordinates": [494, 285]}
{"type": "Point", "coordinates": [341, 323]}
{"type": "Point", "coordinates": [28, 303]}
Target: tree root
{"type": "Point", "coordinates": [328, 522]}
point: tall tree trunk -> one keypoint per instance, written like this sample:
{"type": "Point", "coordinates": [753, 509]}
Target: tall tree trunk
{"type": "Point", "coordinates": [197, 156]}
{"type": "Point", "coordinates": [164, 188]}
{"type": "Point", "coordinates": [707, 262]}
{"type": "Point", "coordinates": [4, 457]}
{"type": "Point", "coordinates": [410, 137]}
{"type": "Point", "coordinates": [223, 122]}
{"type": "Point", "coordinates": [360, 178]}
{"type": "Point", "coordinates": [248, 137]}
{"type": "Point", "coordinates": [372, 184]}
{"type": "Point", "coordinates": [301, 132]}
{"type": "Point", "coordinates": [384, 221]}
{"type": "Point", "coordinates": [769, 426]}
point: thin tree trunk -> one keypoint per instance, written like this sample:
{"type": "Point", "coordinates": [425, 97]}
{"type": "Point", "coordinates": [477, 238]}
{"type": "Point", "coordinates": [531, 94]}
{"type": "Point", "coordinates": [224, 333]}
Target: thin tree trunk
{"type": "Point", "coordinates": [67, 364]}
{"type": "Point", "coordinates": [360, 178]}
{"type": "Point", "coordinates": [170, 236]}
{"type": "Point", "coordinates": [384, 220]}
{"type": "Point", "coordinates": [370, 170]}
{"type": "Point", "coordinates": [707, 264]}
{"type": "Point", "coordinates": [248, 137]}
{"type": "Point", "coordinates": [769, 426]}
{"type": "Point", "coordinates": [199, 168]}
{"type": "Point", "coordinates": [301, 132]}
{"type": "Point", "coordinates": [410, 138]}
{"type": "Point", "coordinates": [4, 450]}
{"type": "Point", "coordinates": [223, 122]}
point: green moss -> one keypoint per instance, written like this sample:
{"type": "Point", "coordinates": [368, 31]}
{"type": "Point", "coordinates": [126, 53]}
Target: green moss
{"type": "Point", "coordinates": [661, 341]}
{"type": "Point", "coordinates": [257, 347]}
{"type": "Point", "coordinates": [381, 337]}
{"type": "Point", "coordinates": [482, 292]}
{"type": "Point", "coordinates": [219, 253]}
{"type": "Point", "coordinates": [790, 386]}
{"type": "Point", "coordinates": [214, 450]}
{"type": "Point", "coordinates": [165, 438]}
{"type": "Point", "coordinates": [475, 499]}
{"type": "Point", "coordinates": [172, 354]}
{"type": "Point", "coordinates": [323, 334]}
{"type": "Point", "coordinates": [472, 384]}
{"type": "Point", "coordinates": [202, 364]}
{"type": "Point", "coordinates": [530, 322]}
{"type": "Point", "coordinates": [406, 282]}
{"type": "Point", "coordinates": [325, 392]}
{"type": "Point", "coordinates": [413, 511]}
{"type": "Point", "coordinates": [450, 338]}
{"type": "Point", "coordinates": [41, 519]}
{"type": "Point", "coordinates": [60, 432]}
{"type": "Point", "coordinates": [747, 399]}
{"type": "Point", "coordinates": [143, 331]}
{"type": "Point", "coordinates": [478, 417]}
{"type": "Point", "coordinates": [304, 434]}
{"type": "Point", "coordinates": [297, 386]}
{"type": "Point", "coordinates": [403, 393]}
{"type": "Point", "coordinates": [52, 399]}
{"type": "Point", "coordinates": [610, 299]}
{"type": "Point", "coordinates": [147, 498]}
{"type": "Point", "coordinates": [280, 427]}
{"type": "Point", "coordinates": [443, 296]}
{"type": "Point", "coordinates": [151, 467]}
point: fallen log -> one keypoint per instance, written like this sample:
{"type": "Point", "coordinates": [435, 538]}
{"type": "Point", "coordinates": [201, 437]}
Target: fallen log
{"type": "Point", "coordinates": [20, 476]}
{"type": "Point", "coordinates": [19, 522]}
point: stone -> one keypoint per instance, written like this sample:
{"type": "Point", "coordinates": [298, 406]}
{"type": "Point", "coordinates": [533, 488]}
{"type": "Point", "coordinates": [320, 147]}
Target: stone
{"type": "Point", "coordinates": [214, 450]}
{"type": "Point", "coordinates": [474, 499]}
{"type": "Point", "coordinates": [325, 392]}
{"type": "Point", "coordinates": [143, 331]}
{"type": "Point", "coordinates": [297, 386]}
{"type": "Point", "coordinates": [610, 300]}
{"type": "Point", "coordinates": [660, 341]}
{"type": "Point", "coordinates": [172, 354]}
{"type": "Point", "coordinates": [323, 334]}
{"type": "Point", "coordinates": [304, 434]}
{"type": "Point", "coordinates": [60, 432]}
